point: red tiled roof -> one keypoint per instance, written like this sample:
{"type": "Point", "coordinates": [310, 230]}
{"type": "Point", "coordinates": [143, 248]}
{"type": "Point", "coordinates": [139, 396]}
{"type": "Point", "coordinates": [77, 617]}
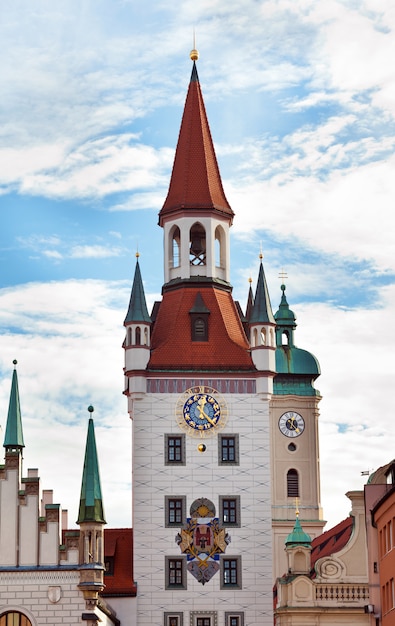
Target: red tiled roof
{"type": "Point", "coordinates": [118, 544]}
{"type": "Point", "coordinates": [195, 180]}
{"type": "Point", "coordinates": [172, 347]}
{"type": "Point", "coordinates": [332, 540]}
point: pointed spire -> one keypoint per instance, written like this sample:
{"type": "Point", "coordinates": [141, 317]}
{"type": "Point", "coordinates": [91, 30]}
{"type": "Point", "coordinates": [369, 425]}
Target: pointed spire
{"type": "Point", "coordinates": [14, 435]}
{"type": "Point", "coordinates": [285, 320]}
{"type": "Point", "coordinates": [195, 181]}
{"type": "Point", "coordinates": [91, 504]}
{"type": "Point", "coordinates": [262, 310]}
{"type": "Point", "coordinates": [137, 311]}
{"type": "Point", "coordinates": [250, 301]}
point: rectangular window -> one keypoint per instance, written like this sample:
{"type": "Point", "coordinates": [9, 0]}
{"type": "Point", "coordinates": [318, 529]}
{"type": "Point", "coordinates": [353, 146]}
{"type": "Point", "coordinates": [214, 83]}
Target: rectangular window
{"type": "Point", "coordinates": [175, 573]}
{"type": "Point", "coordinates": [231, 572]}
{"type": "Point", "coordinates": [204, 618]}
{"type": "Point", "coordinates": [228, 449]}
{"type": "Point", "coordinates": [174, 449]}
{"type": "Point", "coordinates": [234, 619]}
{"type": "Point", "coordinates": [175, 510]}
{"type": "Point", "coordinates": [229, 507]}
{"type": "Point", "coordinates": [173, 619]}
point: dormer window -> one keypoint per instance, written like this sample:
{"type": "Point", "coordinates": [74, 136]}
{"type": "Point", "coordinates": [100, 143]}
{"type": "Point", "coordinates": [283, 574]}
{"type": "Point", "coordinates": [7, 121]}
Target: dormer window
{"type": "Point", "coordinates": [199, 320]}
{"type": "Point", "coordinates": [199, 331]}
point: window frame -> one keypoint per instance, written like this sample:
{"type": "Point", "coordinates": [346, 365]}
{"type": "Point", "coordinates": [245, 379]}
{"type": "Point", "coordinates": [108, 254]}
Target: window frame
{"type": "Point", "coordinates": [237, 511]}
{"type": "Point", "coordinates": [212, 615]}
{"type": "Point", "coordinates": [222, 438]}
{"type": "Point", "coordinates": [224, 561]}
{"type": "Point", "coordinates": [183, 504]}
{"type": "Point", "coordinates": [175, 437]}
{"type": "Point", "coordinates": [173, 615]}
{"type": "Point", "coordinates": [232, 614]}
{"type": "Point", "coordinates": [183, 571]}
{"type": "Point", "coordinates": [293, 486]}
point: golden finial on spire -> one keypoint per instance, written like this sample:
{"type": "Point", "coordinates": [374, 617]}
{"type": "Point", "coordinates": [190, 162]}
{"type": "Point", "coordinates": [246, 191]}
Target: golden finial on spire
{"type": "Point", "coordinates": [297, 507]}
{"type": "Point", "coordinates": [137, 254]}
{"type": "Point", "coordinates": [194, 54]}
{"type": "Point", "coordinates": [250, 280]}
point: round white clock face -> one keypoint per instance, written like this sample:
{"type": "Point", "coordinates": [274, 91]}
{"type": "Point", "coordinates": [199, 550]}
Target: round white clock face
{"type": "Point", "coordinates": [291, 424]}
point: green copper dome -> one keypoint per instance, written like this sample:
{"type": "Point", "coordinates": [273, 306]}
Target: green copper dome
{"type": "Point", "coordinates": [298, 537]}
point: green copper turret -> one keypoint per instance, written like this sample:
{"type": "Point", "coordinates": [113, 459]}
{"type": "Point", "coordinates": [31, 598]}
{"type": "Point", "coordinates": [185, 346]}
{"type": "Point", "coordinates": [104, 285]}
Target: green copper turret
{"type": "Point", "coordinates": [13, 439]}
{"type": "Point", "coordinates": [296, 369]}
{"type": "Point", "coordinates": [91, 503]}
{"type": "Point", "coordinates": [137, 311]}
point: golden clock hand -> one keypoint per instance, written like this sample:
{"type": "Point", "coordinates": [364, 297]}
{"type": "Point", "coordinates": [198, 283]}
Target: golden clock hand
{"type": "Point", "coordinates": [202, 412]}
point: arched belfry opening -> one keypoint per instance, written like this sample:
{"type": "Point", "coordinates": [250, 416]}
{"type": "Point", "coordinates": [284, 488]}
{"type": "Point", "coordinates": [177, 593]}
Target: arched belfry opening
{"type": "Point", "coordinates": [197, 245]}
{"type": "Point", "coordinates": [175, 247]}
{"type": "Point", "coordinates": [220, 247]}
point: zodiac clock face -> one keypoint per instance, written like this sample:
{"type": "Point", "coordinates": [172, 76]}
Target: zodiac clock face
{"type": "Point", "coordinates": [201, 412]}
{"type": "Point", "coordinates": [291, 424]}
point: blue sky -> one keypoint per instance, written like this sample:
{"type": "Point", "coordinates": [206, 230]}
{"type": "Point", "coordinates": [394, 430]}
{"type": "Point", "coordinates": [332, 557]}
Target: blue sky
{"type": "Point", "coordinates": [301, 102]}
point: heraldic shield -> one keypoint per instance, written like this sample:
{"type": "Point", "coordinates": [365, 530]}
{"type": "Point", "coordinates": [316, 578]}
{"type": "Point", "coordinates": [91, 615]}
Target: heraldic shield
{"type": "Point", "coordinates": [203, 539]}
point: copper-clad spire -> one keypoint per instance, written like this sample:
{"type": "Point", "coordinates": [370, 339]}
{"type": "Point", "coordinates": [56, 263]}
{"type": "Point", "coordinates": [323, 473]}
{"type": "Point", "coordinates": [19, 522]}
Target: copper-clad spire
{"type": "Point", "coordinates": [195, 181]}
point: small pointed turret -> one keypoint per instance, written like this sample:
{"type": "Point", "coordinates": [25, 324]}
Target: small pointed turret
{"type": "Point", "coordinates": [261, 331]}
{"type": "Point", "coordinates": [262, 310]}
{"type": "Point", "coordinates": [286, 321]}
{"type": "Point", "coordinates": [250, 302]}
{"type": "Point", "coordinates": [137, 311]}
{"type": "Point", "coordinates": [91, 503]}
{"type": "Point", "coordinates": [13, 439]}
{"type": "Point", "coordinates": [296, 368]}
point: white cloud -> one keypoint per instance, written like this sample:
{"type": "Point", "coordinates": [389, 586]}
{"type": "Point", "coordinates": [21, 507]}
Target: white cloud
{"type": "Point", "coordinates": [94, 252]}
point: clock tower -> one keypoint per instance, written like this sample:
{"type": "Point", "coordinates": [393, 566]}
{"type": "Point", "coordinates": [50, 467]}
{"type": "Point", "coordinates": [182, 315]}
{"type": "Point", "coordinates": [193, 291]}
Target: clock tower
{"type": "Point", "coordinates": [224, 414]}
{"type": "Point", "coordinates": [199, 380]}
{"type": "Point", "coordinates": [294, 438]}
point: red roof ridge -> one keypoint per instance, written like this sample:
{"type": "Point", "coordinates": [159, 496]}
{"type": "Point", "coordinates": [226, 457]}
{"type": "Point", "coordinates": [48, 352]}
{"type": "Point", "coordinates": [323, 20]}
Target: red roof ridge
{"type": "Point", "coordinates": [332, 540]}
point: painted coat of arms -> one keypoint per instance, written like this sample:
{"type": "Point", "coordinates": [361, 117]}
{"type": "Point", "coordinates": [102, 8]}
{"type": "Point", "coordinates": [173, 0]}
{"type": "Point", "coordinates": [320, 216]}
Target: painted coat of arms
{"type": "Point", "coordinates": [203, 539]}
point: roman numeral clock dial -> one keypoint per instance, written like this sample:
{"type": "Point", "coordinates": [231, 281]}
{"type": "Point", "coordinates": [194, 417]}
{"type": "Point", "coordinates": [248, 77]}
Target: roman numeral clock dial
{"type": "Point", "coordinates": [291, 424]}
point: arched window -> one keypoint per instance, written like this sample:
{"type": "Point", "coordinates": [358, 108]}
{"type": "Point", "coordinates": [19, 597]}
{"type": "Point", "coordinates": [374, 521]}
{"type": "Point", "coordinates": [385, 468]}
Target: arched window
{"type": "Point", "coordinates": [285, 338]}
{"type": "Point", "coordinates": [263, 336]}
{"type": "Point", "coordinates": [129, 339]}
{"type": "Point", "coordinates": [138, 336]}
{"type": "Point", "coordinates": [12, 618]}
{"type": "Point", "coordinates": [200, 329]}
{"type": "Point", "coordinates": [175, 247]}
{"type": "Point", "coordinates": [254, 338]}
{"type": "Point", "coordinates": [146, 336]}
{"type": "Point", "coordinates": [219, 247]}
{"type": "Point", "coordinates": [293, 484]}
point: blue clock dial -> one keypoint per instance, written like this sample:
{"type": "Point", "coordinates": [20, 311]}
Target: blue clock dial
{"type": "Point", "coordinates": [201, 411]}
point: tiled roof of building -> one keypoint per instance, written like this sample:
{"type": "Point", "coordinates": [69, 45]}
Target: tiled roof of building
{"type": "Point", "coordinates": [195, 181]}
{"type": "Point", "coordinates": [227, 347]}
{"type": "Point", "coordinates": [332, 540]}
{"type": "Point", "coordinates": [118, 548]}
